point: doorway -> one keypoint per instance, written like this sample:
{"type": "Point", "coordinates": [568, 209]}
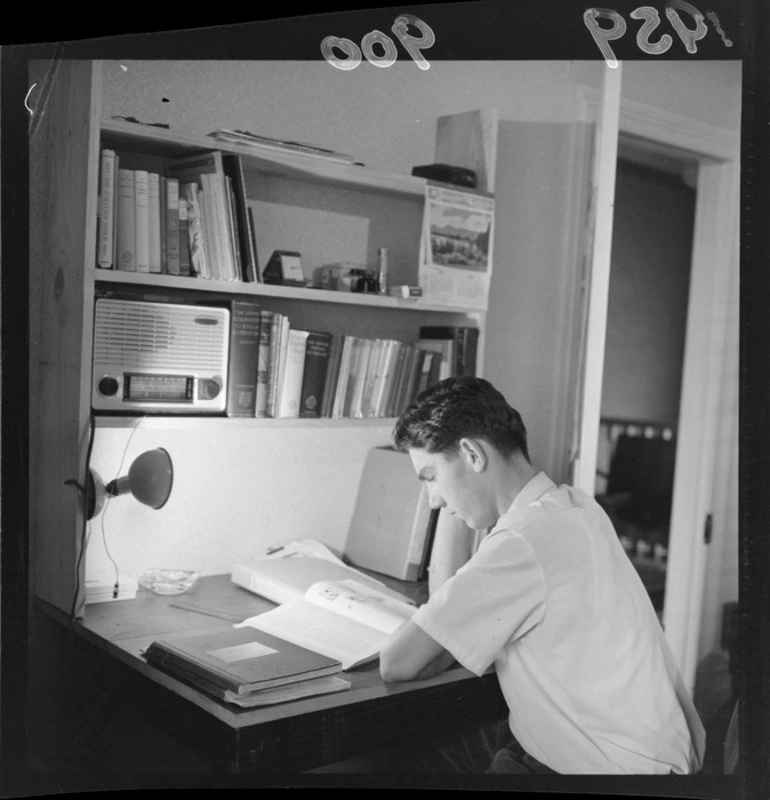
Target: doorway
{"type": "Point", "coordinates": [710, 330]}
{"type": "Point", "coordinates": [651, 256]}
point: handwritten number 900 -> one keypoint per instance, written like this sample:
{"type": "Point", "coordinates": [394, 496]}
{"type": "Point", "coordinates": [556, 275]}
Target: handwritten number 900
{"type": "Point", "coordinates": [353, 53]}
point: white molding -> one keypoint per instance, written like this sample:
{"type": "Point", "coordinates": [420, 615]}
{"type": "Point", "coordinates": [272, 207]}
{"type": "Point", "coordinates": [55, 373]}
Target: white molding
{"type": "Point", "coordinates": [603, 186]}
{"type": "Point", "coordinates": [687, 134]}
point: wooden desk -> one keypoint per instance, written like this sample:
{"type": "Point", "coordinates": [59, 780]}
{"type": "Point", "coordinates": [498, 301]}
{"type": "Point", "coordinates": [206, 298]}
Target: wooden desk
{"type": "Point", "coordinates": [288, 737]}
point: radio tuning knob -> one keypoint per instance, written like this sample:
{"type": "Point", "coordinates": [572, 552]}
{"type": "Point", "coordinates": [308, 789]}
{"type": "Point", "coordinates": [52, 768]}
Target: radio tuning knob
{"type": "Point", "coordinates": [209, 389]}
{"type": "Point", "coordinates": [108, 387]}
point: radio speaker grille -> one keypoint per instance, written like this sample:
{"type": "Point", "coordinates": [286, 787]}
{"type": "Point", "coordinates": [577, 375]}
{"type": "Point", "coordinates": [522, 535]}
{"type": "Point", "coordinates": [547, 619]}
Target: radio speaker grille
{"type": "Point", "coordinates": [157, 336]}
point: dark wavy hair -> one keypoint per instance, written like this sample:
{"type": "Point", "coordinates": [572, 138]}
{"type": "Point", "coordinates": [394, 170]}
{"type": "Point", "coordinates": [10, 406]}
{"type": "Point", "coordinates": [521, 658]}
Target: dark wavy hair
{"type": "Point", "coordinates": [460, 407]}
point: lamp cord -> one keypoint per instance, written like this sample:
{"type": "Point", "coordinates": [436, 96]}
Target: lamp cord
{"type": "Point", "coordinates": [116, 587]}
{"type": "Point", "coordinates": [84, 530]}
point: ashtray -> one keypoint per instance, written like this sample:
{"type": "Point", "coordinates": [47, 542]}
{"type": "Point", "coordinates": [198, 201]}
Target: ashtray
{"type": "Point", "coordinates": [168, 581]}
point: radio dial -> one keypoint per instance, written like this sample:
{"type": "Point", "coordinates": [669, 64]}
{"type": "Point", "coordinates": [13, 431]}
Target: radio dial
{"type": "Point", "coordinates": [209, 389]}
{"type": "Point", "coordinates": [108, 387]}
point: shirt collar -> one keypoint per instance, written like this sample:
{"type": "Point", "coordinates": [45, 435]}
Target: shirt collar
{"type": "Point", "coordinates": [532, 491]}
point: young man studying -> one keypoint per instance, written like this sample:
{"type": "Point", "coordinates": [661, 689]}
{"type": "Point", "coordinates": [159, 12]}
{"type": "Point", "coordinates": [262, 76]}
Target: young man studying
{"type": "Point", "coordinates": [549, 597]}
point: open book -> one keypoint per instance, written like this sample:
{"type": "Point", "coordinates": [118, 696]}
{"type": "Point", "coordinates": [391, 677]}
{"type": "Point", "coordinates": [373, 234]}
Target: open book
{"type": "Point", "coordinates": [281, 579]}
{"type": "Point", "coordinates": [345, 620]}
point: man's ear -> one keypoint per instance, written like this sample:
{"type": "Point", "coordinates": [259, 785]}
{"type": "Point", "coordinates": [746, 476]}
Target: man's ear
{"type": "Point", "coordinates": [474, 452]}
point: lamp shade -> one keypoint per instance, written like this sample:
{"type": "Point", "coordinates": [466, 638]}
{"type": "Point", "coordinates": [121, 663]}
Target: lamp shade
{"type": "Point", "coordinates": [150, 478]}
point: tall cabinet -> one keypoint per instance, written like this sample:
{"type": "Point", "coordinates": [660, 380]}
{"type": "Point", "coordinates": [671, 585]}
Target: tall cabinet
{"type": "Point", "coordinates": [291, 197]}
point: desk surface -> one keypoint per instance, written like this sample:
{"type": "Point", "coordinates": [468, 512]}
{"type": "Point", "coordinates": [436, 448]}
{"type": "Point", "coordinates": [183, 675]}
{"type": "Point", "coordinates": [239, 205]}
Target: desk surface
{"type": "Point", "coordinates": [124, 628]}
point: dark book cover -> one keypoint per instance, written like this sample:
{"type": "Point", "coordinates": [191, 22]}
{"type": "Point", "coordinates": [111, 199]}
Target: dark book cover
{"type": "Point", "coordinates": [332, 374]}
{"type": "Point", "coordinates": [243, 362]}
{"type": "Point", "coordinates": [241, 660]}
{"type": "Point", "coordinates": [263, 367]}
{"type": "Point", "coordinates": [391, 407]}
{"type": "Point", "coordinates": [314, 373]}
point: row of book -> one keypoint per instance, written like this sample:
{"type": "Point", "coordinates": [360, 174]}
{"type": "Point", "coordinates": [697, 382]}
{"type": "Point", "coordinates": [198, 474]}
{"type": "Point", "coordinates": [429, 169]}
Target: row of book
{"type": "Point", "coordinates": [276, 370]}
{"type": "Point", "coordinates": [193, 221]}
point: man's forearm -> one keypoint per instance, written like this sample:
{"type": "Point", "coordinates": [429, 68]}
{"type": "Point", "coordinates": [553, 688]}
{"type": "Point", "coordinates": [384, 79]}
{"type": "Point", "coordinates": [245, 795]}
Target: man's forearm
{"type": "Point", "coordinates": [440, 664]}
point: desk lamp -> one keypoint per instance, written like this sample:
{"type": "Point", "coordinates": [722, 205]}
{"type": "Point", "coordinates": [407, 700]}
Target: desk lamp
{"type": "Point", "coordinates": [149, 479]}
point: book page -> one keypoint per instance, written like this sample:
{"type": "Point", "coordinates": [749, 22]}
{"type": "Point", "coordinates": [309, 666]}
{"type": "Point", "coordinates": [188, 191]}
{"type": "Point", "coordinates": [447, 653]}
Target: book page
{"type": "Point", "coordinates": [361, 603]}
{"type": "Point", "coordinates": [321, 630]}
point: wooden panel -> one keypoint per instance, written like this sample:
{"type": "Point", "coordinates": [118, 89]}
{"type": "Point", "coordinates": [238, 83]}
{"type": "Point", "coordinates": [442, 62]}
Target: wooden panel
{"type": "Point", "coordinates": [61, 433]}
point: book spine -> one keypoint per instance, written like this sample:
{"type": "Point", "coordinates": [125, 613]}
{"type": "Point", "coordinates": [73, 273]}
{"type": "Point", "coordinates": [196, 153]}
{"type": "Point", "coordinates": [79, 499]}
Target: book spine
{"type": "Point", "coordinates": [373, 375]}
{"type": "Point", "coordinates": [126, 221]}
{"type": "Point", "coordinates": [106, 210]}
{"type": "Point", "coordinates": [263, 369]}
{"type": "Point", "coordinates": [361, 371]}
{"type": "Point", "coordinates": [141, 204]}
{"type": "Point", "coordinates": [278, 334]}
{"type": "Point", "coordinates": [343, 377]}
{"type": "Point", "coordinates": [243, 359]}
{"type": "Point", "coordinates": [291, 383]}
{"type": "Point", "coordinates": [332, 374]}
{"type": "Point", "coordinates": [470, 351]}
{"type": "Point", "coordinates": [162, 213]}
{"type": "Point", "coordinates": [405, 368]}
{"type": "Point", "coordinates": [208, 224]}
{"type": "Point", "coordinates": [411, 371]}
{"type": "Point", "coordinates": [153, 214]}
{"type": "Point", "coordinates": [388, 378]}
{"type": "Point", "coordinates": [184, 237]}
{"type": "Point", "coordinates": [198, 264]}
{"type": "Point", "coordinates": [173, 241]}
{"type": "Point", "coordinates": [235, 233]}
{"type": "Point", "coordinates": [115, 191]}
{"type": "Point", "coordinates": [253, 246]}
{"type": "Point", "coordinates": [314, 374]}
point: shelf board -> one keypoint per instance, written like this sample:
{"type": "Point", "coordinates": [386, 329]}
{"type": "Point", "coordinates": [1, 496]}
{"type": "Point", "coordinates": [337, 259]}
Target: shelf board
{"type": "Point", "coordinates": [289, 165]}
{"type": "Point", "coordinates": [171, 282]}
{"type": "Point", "coordinates": [169, 422]}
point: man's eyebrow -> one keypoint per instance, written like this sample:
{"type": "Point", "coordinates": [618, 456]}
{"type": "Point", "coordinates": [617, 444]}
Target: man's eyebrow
{"type": "Point", "coordinates": [425, 473]}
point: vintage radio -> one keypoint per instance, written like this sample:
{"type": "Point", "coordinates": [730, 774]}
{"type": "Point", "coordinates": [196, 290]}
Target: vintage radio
{"type": "Point", "coordinates": [159, 357]}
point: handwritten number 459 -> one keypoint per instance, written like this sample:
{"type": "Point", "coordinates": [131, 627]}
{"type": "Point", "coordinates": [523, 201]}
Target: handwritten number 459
{"type": "Point", "coordinates": [412, 44]}
{"type": "Point", "coordinates": [602, 36]}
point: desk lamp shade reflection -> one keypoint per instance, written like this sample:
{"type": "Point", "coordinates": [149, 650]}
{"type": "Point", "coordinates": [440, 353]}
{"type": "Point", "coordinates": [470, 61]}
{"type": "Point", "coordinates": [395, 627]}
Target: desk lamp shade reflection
{"type": "Point", "coordinates": [149, 479]}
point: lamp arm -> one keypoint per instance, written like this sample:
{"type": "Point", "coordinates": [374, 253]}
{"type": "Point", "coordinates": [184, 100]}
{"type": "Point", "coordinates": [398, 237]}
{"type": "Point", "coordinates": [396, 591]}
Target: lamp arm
{"type": "Point", "coordinates": [118, 486]}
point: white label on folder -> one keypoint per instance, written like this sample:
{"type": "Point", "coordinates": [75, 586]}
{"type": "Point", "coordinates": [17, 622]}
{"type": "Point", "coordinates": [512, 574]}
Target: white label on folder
{"type": "Point", "coordinates": [240, 652]}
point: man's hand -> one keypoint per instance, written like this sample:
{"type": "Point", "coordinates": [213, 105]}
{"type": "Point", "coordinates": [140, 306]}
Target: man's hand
{"type": "Point", "coordinates": [410, 654]}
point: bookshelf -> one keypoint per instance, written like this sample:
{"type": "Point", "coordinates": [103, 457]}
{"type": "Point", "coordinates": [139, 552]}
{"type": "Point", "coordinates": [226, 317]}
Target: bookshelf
{"type": "Point", "coordinates": [330, 212]}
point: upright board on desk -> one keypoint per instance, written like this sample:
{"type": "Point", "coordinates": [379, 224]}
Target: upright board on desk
{"type": "Point", "coordinates": [391, 519]}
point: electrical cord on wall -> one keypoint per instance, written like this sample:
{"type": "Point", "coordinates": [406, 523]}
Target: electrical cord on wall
{"type": "Point", "coordinates": [116, 587]}
{"type": "Point", "coordinates": [85, 531]}
{"type": "Point", "coordinates": [82, 488]}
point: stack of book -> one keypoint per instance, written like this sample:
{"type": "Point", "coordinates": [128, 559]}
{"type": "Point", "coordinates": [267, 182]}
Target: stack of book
{"type": "Point", "coordinates": [276, 370]}
{"type": "Point", "coordinates": [194, 221]}
{"type": "Point", "coordinates": [246, 667]}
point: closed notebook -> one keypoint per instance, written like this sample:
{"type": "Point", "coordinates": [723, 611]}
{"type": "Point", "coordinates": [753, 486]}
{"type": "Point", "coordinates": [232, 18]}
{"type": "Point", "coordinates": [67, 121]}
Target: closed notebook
{"type": "Point", "coordinates": [266, 697]}
{"type": "Point", "coordinates": [391, 521]}
{"type": "Point", "coordinates": [241, 660]}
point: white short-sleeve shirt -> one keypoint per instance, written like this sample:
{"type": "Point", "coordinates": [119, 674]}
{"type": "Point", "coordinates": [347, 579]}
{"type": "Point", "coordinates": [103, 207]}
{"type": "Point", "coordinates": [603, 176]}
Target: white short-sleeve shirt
{"type": "Point", "coordinates": [551, 599]}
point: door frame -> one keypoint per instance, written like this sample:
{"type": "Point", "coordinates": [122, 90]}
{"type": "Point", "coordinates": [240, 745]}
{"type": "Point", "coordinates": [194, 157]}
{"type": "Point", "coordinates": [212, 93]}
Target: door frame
{"type": "Point", "coordinates": [716, 152]}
